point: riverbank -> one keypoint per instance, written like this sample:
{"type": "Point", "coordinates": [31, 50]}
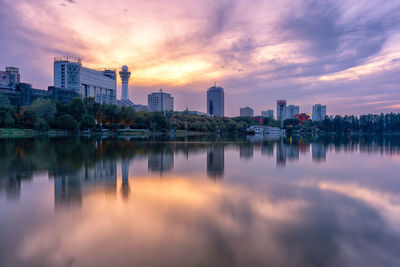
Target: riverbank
{"type": "Point", "coordinates": [18, 133]}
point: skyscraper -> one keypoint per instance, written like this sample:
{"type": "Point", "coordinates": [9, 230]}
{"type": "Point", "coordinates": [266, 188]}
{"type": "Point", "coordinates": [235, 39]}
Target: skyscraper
{"type": "Point", "coordinates": [215, 101]}
{"type": "Point", "coordinates": [281, 110]}
{"type": "Point", "coordinates": [291, 111]}
{"type": "Point", "coordinates": [101, 84]}
{"type": "Point", "coordinates": [125, 75]}
{"type": "Point", "coordinates": [318, 112]}
{"type": "Point", "coordinates": [160, 101]}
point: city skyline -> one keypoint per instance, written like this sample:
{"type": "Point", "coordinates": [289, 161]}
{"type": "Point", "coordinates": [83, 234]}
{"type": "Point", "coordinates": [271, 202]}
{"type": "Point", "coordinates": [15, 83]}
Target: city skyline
{"type": "Point", "coordinates": [340, 53]}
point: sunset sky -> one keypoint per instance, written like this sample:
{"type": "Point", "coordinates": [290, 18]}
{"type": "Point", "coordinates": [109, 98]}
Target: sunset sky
{"type": "Point", "coordinates": [342, 53]}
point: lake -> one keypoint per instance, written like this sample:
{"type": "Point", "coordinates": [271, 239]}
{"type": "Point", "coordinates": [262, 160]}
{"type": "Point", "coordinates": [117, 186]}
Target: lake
{"type": "Point", "coordinates": [208, 201]}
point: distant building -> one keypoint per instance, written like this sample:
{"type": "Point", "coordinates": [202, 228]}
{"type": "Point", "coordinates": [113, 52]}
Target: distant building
{"type": "Point", "coordinates": [160, 101]}
{"type": "Point", "coordinates": [268, 113]}
{"type": "Point", "coordinates": [22, 94]}
{"type": "Point", "coordinates": [215, 101]}
{"type": "Point", "coordinates": [100, 84]}
{"type": "Point", "coordinates": [10, 78]}
{"type": "Point", "coordinates": [281, 110]}
{"type": "Point", "coordinates": [318, 112]}
{"type": "Point", "coordinates": [291, 111]}
{"type": "Point", "coordinates": [246, 112]}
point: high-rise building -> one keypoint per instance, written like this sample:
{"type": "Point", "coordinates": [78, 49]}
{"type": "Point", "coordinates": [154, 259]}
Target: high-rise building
{"type": "Point", "coordinates": [291, 111]}
{"type": "Point", "coordinates": [318, 112]}
{"type": "Point", "coordinates": [246, 112]}
{"type": "Point", "coordinates": [215, 101]}
{"type": "Point", "coordinates": [160, 101]}
{"type": "Point", "coordinates": [10, 78]}
{"type": "Point", "coordinates": [281, 110]}
{"type": "Point", "coordinates": [101, 84]}
{"type": "Point", "coordinates": [125, 75]}
{"type": "Point", "coordinates": [268, 113]}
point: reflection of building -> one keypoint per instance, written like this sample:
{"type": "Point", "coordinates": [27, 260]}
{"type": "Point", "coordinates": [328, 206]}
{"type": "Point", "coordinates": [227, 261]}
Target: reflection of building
{"type": "Point", "coordinates": [268, 113]}
{"type": "Point", "coordinates": [318, 112]}
{"type": "Point", "coordinates": [99, 84]}
{"type": "Point", "coordinates": [215, 162]}
{"type": "Point", "coordinates": [286, 152]}
{"type": "Point", "coordinates": [246, 151]}
{"type": "Point", "coordinates": [161, 162]}
{"type": "Point", "coordinates": [215, 101]}
{"type": "Point", "coordinates": [267, 149]}
{"type": "Point", "coordinates": [160, 101]}
{"type": "Point", "coordinates": [70, 186]}
{"type": "Point", "coordinates": [318, 151]}
{"type": "Point", "coordinates": [125, 177]}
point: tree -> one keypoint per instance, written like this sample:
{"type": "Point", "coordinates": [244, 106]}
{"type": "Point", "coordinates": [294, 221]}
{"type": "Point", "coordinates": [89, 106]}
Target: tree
{"type": "Point", "coordinates": [4, 101]}
{"type": "Point", "coordinates": [67, 122]}
{"type": "Point", "coordinates": [6, 117]}
{"type": "Point", "coordinates": [87, 122]}
{"type": "Point", "coordinates": [211, 108]}
{"type": "Point", "coordinates": [41, 125]}
{"type": "Point", "coordinates": [43, 109]}
{"type": "Point", "coordinates": [76, 108]}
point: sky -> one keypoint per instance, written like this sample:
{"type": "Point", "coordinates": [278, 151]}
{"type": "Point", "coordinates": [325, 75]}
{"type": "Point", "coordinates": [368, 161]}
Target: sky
{"type": "Point", "coordinates": [342, 53]}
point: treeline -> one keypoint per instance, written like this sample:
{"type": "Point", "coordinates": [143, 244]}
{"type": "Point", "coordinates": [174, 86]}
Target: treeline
{"type": "Point", "coordinates": [371, 123]}
{"type": "Point", "coordinates": [86, 114]}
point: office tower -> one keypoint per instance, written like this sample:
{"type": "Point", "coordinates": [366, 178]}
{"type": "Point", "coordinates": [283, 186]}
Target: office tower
{"type": "Point", "coordinates": [215, 101]}
{"type": "Point", "coordinates": [281, 110]}
{"type": "Point", "coordinates": [160, 101]}
{"type": "Point", "coordinates": [125, 75]}
{"type": "Point", "coordinates": [101, 84]}
{"type": "Point", "coordinates": [215, 162]}
{"type": "Point", "coordinates": [318, 112]}
{"type": "Point", "coordinates": [246, 112]}
{"type": "Point", "coordinates": [268, 113]}
{"type": "Point", "coordinates": [291, 111]}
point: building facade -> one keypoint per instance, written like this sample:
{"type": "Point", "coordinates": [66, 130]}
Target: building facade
{"type": "Point", "coordinates": [268, 113]}
{"type": "Point", "coordinates": [246, 112]}
{"type": "Point", "coordinates": [160, 101]}
{"type": "Point", "coordinates": [281, 110]}
{"type": "Point", "coordinates": [216, 101]}
{"type": "Point", "coordinates": [10, 78]}
{"type": "Point", "coordinates": [291, 111]}
{"type": "Point", "coordinates": [318, 112]}
{"type": "Point", "coordinates": [100, 84]}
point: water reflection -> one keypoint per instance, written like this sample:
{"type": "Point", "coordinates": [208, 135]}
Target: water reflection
{"type": "Point", "coordinates": [304, 197]}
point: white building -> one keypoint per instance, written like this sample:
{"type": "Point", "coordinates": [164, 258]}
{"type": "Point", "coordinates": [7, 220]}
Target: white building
{"type": "Point", "coordinates": [160, 101]}
{"type": "Point", "coordinates": [266, 130]}
{"type": "Point", "coordinates": [268, 113]}
{"type": "Point", "coordinates": [291, 111]}
{"type": "Point", "coordinates": [100, 84]}
{"type": "Point", "coordinates": [318, 112]}
{"type": "Point", "coordinates": [125, 75]}
{"type": "Point", "coordinates": [215, 101]}
{"type": "Point", "coordinates": [246, 112]}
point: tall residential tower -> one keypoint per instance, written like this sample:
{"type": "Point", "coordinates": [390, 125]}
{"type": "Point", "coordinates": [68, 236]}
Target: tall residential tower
{"type": "Point", "coordinates": [215, 101]}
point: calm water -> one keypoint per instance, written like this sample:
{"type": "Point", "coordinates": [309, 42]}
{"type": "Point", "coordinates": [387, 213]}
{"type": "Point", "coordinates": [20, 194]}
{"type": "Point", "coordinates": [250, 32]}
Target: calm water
{"type": "Point", "coordinates": [193, 202]}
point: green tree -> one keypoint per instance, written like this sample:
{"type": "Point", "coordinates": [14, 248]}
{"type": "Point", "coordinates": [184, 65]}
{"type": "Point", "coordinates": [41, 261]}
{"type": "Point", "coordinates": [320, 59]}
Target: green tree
{"type": "Point", "coordinates": [41, 125]}
{"type": "Point", "coordinates": [67, 122]}
{"type": "Point", "coordinates": [43, 109]}
{"type": "Point", "coordinates": [87, 122]}
{"type": "Point", "coordinates": [76, 108]}
{"type": "Point", "coordinates": [4, 101]}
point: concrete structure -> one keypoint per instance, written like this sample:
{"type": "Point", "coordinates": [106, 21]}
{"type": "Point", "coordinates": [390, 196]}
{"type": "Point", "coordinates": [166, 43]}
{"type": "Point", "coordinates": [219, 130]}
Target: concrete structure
{"type": "Point", "coordinates": [160, 101]}
{"type": "Point", "coordinates": [291, 111]}
{"type": "Point", "coordinates": [10, 78]}
{"type": "Point", "coordinates": [281, 110]}
{"type": "Point", "coordinates": [318, 112]}
{"type": "Point", "coordinates": [246, 112]}
{"type": "Point", "coordinates": [216, 101]}
{"type": "Point", "coordinates": [268, 113]}
{"type": "Point", "coordinates": [125, 75]}
{"type": "Point", "coordinates": [101, 84]}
